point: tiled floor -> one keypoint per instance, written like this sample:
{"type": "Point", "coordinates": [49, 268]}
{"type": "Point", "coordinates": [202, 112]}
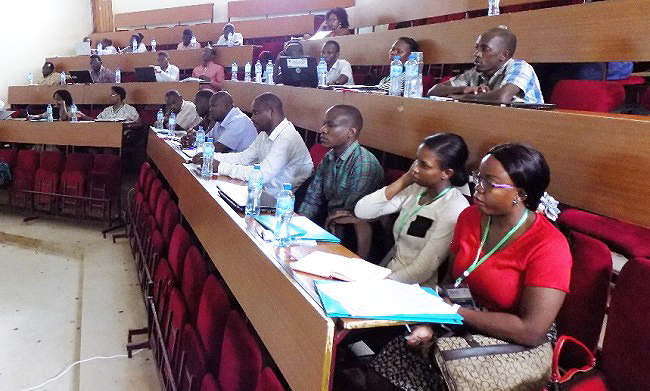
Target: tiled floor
{"type": "Point", "coordinates": [67, 294]}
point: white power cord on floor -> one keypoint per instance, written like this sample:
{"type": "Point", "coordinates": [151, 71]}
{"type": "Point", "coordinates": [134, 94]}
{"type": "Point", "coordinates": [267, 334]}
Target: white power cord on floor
{"type": "Point", "coordinates": [80, 362]}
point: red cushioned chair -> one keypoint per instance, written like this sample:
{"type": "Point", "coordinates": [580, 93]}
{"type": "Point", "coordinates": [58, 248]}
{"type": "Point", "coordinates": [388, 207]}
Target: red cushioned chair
{"type": "Point", "coordinates": [645, 99]}
{"type": "Point", "coordinates": [46, 179]}
{"type": "Point", "coordinates": [268, 381]}
{"type": "Point", "coordinates": [73, 181]}
{"type": "Point", "coordinates": [209, 383]}
{"type": "Point", "coordinates": [173, 320]}
{"type": "Point", "coordinates": [317, 153]}
{"type": "Point", "coordinates": [428, 81]}
{"type": "Point", "coordinates": [161, 205]}
{"type": "Point", "coordinates": [631, 81]}
{"type": "Point", "coordinates": [8, 156]}
{"type": "Point", "coordinates": [23, 177]}
{"type": "Point", "coordinates": [194, 274]}
{"type": "Point", "coordinates": [192, 360]}
{"type": "Point", "coordinates": [104, 181]}
{"type": "Point", "coordinates": [154, 192]}
{"type": "Point", "coordinates": [588, 95]}
{"type": "Point", "coordinates": [241, 361]}
{"type": "Point", "coordinates": [214, 307]}
{"type": "Point", "coordinates": [178, 245]}
{"type": "Point", "coordinates": [171, 217]}
{"type": "Point", "coordinates": [582, 313]}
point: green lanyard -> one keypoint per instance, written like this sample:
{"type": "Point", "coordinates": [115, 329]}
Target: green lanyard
{"type": "Point", "coordinates": [478, 262]}
{"type": "Point", "coordinates": [407, 217]}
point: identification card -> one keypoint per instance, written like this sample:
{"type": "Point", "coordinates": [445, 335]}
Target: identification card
{"type": "Point", "coordinates": [460, 295]}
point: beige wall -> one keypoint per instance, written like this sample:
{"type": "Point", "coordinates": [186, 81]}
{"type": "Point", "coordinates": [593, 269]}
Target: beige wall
{"type": "Point", "coordinates": [220, 6]}
{"type": "Point", "coordinates": [31, 30]}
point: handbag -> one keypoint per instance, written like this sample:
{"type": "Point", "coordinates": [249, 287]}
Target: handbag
{"type": "Point", "coordinates": [474, 362]}
{"type": "Point", "coordinates": [576, 379]}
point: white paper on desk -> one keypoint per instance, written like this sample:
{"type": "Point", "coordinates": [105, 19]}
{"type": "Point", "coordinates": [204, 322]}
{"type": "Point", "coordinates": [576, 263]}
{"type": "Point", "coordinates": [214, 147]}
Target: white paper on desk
{"type": "Point", "coordinates": [385, 298]}
{"type": "Point", "coordinates": [324, 264]}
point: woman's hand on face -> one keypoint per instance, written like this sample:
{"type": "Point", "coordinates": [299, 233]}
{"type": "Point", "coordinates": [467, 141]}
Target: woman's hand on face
{"type": "Point", "coordinates": [421, 335]}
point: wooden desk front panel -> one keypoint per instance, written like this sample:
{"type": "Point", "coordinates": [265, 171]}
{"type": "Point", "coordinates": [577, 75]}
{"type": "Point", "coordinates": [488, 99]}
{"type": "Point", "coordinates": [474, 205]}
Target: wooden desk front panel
{"type": "Point", "coordinates": [291, 324]}
{"type": "Point", "coordinates": [600, 31]}
{"type": "Point", "coordinates": [593, 166]}
{"type": "Point", "coordinates": [250, 8]}
{"type": "Point", "coordinates": [91, 134]}
{"type": "Point", "coordinates": [136, 93]}
{"type": "Point", "coordinates": [190, 13]}
{"type": "Point", "coordinates": [183, 59]}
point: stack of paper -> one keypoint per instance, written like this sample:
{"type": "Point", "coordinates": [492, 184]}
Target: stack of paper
{"type": "Point", "coordinates": [385, 299]}
{"type": "Point", "coordinates": [337, 266]}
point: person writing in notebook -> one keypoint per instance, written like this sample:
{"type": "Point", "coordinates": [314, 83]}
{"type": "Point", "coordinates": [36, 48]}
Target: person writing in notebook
{"type": "Point", "coordinates": [279, 149]}
{"type": "Point", "coordinates": [164, 70]}
{"type": "Point", "coordinates": [429, 200]}
{"type": "Point", "coordinates": [496, 76]}
{"type": "Point", "coordinates": [210, 71]}
{"type": "Point", "coordinates": [347, 172]}
{"type": "Point", "coordinates": [516, 264]}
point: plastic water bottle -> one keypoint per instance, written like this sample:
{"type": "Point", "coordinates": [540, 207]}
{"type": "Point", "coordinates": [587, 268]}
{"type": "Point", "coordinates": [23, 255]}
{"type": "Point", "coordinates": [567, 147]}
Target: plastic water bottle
{"type": "Point", "coordinates": [419, 56]}
{"type": "Point", "coordinates": [322, 72]}
{"type": "Point", "coordinates": [172, 125]}
{"type": "Point", "coordinates": [493, 7]}
{"type": "Point", "coordinates": [200, 139]}
{"type": "Point", "coordinates": [73, 113]}
{"type": "Point", "coordinates": [153, 45]}
{"type": "Point", "coordinates": [159, 119]}
{"type": "Point", "coordinates": [258, 72]}
{"type": "Point", "coordinates": [100, 48]}
{"type": "Point", "coordinates": [50, 115]}
{"type": "Point", "coordinates": [255, 185]}
{"type": "Point", "coordinates": [233, 71]}
{"type": "Point", "coordinates": [283, 214]}
{"type": "Point", "coordinates": [118, 75]}
{"type": "Point", "coordinates": [411, 77]}
{"type": "Point", "coordinates": [134, 45]}
{"type": "Point", "coordinates": [230, 40]}
{"type": "Point", "coordinates": [247, 72]}
{"type": "Point", "coordinates": [208, 156]}
{"type": "Point", "coordinates": [63, 80]}
{"type": "Point", "coordinates": [269, 72]}
{"type": "Point", "coordinates": [30, 79]}
{"type": "Point", "coordinates": [193, 41]}
{"type": "Point", "coordinates": [395, 77]}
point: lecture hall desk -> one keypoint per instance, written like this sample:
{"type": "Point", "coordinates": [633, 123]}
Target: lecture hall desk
{"type": "Point", "coordinates": [91, 134]}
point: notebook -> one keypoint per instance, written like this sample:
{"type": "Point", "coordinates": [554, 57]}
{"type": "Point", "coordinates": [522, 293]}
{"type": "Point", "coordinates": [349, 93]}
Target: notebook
{"type": "Point", "coordinates": [236, 195]}
{"type": "Point", "coordinates": [328, 265]}
{"type": "Point", "coordinates": [300, 224]}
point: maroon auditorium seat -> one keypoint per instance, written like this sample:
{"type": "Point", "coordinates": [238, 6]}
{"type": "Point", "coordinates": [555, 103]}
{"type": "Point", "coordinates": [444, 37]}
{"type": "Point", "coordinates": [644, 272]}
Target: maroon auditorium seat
{"type": "Point", "coordinates": [317, 152]}
{"type": "Point", "coordinates": [268, 381]}
{"type": "Point", "coordinates": [193, 364]}
{"type": "Point", "coordinates": [214, 307]}
{"type": "Point", "coordinates": [8, 156]}
{"type": "Point", "coordinates": [194, 274]}
{"type": "Point", "coordinates": [46, 179]}
{"type": "Point", "coordinates": [179, 244]}
{"type": "Point", "coordinates": [209, 383]}
{"type": "Point", "coordinates": [23, 177]}
{"type": "Point", "coordinates": [73, 180]}
{"type": "Point", "coordinates": [241, 361]}
{"type": "Point", "coordinates": [588, 95]}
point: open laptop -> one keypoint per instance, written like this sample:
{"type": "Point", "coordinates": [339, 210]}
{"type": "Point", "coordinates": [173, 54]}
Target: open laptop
{"type": "Point", "coordinates": [145, 74]}
{"type": "Point", "coordinates": [236, 195]}
{"type": "Point", "coordinates": [298, 71]}
{"type": "Point", "coordinates": [81, 77]}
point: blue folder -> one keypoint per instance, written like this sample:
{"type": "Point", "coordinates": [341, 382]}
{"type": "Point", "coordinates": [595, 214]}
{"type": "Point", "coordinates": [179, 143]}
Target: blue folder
{"type": "Point", "coordinates": [334, 309]}
{"type": "Point", "coordinates": [301, 228]}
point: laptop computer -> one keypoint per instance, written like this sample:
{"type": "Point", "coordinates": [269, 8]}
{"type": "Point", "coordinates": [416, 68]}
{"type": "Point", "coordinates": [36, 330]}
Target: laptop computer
{"type": "Point", "coordinates": [145, 74]}
{"type": "Point", "coordinates": [82, 48]}
{"type": "Point", "coordinates": [519, 105]}
{"type": "Point", "coordinates": [298, 71]}
{"type": "Point", "coordinates": [81, 77]}
{"type": "Point", "coordinates": [236, 195]}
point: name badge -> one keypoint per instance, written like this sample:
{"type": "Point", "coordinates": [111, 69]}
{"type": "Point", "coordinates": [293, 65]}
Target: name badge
{"type": "Point", "coordinates": [460, 295]}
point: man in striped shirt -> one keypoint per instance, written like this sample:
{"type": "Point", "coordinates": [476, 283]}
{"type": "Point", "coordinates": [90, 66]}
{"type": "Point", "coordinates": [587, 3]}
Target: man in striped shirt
{"type": "Point", "coordinates": [347, 172]}
{"type": "Point", "coordinates": [496, 76]}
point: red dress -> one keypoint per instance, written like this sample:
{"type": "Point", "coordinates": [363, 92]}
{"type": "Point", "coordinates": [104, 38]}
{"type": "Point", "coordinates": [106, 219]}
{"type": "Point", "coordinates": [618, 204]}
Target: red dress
{"type": "Point", "coordinates": [539, 257]}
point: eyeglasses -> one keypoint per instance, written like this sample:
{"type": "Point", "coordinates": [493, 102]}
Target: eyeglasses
{"type": "Point", "coordinates": [486, 185]}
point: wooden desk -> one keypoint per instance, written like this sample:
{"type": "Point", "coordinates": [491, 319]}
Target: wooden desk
{"type": "Point", "coordinates": [90, 134]}
{"type": "Point", "coordinates": [250, 8]}
{"type": "Point", "coordinates": [89, 94]}
{"type": "Point", "coordinates": [598, 161]}
{"type": "Point", "coordinates": [183, 59]}
{"type": "Point", "coordinates": [172, 15]}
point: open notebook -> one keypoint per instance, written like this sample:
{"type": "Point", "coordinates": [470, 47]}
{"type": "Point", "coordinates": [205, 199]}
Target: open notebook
{"type": "Point", "coordinates": [343, 268]}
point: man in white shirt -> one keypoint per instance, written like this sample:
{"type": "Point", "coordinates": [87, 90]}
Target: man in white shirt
{"type": "Point", "coordinates": [164, 70]}
{"type": "Point", "coordinates": [339, 71]}
{"type": "Point", "coordinates": [186, 115]}
{"type": "Point", "coordinates": [108, 47]}
{"type": "Point", "coordinates": [279, 149]}
{"type": "Point", "coordinates": [188, 42]}
{"type": "Point", "coordinates": [229, 35]}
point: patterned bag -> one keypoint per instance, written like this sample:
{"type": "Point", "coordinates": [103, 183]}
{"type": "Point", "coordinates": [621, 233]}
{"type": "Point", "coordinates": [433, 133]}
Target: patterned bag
{"type": "Point", "coordinates": [480, 363]}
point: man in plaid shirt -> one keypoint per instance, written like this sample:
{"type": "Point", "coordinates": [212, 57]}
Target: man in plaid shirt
{"type": "Point", "coordinates": [347, 172]}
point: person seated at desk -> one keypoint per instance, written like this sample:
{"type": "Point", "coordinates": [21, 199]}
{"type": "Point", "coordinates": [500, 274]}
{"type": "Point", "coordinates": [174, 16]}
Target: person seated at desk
{"type": "Point", "coordinates": [292, 48]}
{"type": "Point", "coordinates": [119, 110]}
{"type": "Point", "coordinates": [164, 70]}
{"type": "Point", "coordinates": [278, 147]}
{"type": "Point", "coordinates": [187, 42]}
{"type": "Point", "coordinates": [230, 37]}
{"type": "Point", "coordinates": [520, 282]}
{"type": "Point", "coordinates": [98, 72]}
{"type": "Point", "coordinates": [140, 46]}
{"type": "Point", "coordinates": [186, 115]}
{"type": "Point", "coordinates": [339, 70]}
{"type": "Point", "coordinates": [50, 78]}
{"type": "Point", "coordinates": [496, 75]}
{"type": "Point", "coordinates": [209, 70]}
{"type": "Point", "coordinates": [429, 200]}
{"type": "Point", "coordinates": [403, 48]}
{"type": "Point", "coordinates": [108, 47]}
{"type": "Point", "coordinates": [62, 104]}
{"type": "Point", "coordinates": [336, 21]}
{"type": "Point", "coordinates": [347, 172]}
{"type": "Point", "coordinates": [202, 104]}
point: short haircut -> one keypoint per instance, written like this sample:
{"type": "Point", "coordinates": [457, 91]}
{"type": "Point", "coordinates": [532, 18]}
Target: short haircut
{"type": "Point", "coordinates": [163, 54]}
{"type": "Point", "coordinates": [109, 42]}
{"type": "Point", "coordinates": [265, 56]}
{"type": "Point", "coordinates": [65, 95]}
{"type": "Point", "coordinates": [119, 91]}
{"type": "Point", "coordinates": [205, 94]}
{"type": "Point", "coordinates": [352, 113]}
{"type": "Point", "coordinates": [138, 38]}
{"type": "Point", "coordinates": [341, 15]}
{"type": "Point", "coordinates": [335, 44]}
{"type": "Point", "coordinates": [295, 48]}
{"type": "Point", "coordinates": [527, 169]}
{"type": "Point", "coordinates": [232, 26]}
{"type": "Point", "coordinates": [451, 151]}
{"type": "Point", "coordinates": [222, 95]}
{"type": "Point", "coordinates": [172, 93]}
{"type": "Point", "coordinates": [49, 64]}
{"type": "Point", "coordinates": [187, 32]}
{"type": "Point", "coordinates": [270, 101]}
{"type": "Point", "coordinates": [96, 56]}
{"type": "Point", "coordinates": [507, 37]}
{"type": "Point", "coordinates": [411, 42]}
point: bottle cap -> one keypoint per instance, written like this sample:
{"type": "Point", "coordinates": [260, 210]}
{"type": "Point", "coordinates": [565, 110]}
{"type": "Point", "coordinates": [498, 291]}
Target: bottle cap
{"type": "Point", "coordinates": [413, 56]}
{"type": "Point", "coordinates": [395, 58]}
{"type": "Point", "coordinates": [256, 166]}
{"type": "Point", "coordinates": [322, 58]}
{"type": "Point", "coordinates": [286, 186]}
{"type": "Point", "coordinates": [209, 140]}
{"type": "Point", "coordinates": [200, 128]}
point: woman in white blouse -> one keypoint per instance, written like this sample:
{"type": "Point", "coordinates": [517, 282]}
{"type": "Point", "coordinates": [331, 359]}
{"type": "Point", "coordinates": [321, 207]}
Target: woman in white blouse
{"type": "Point", "coordinates": [429, 201]}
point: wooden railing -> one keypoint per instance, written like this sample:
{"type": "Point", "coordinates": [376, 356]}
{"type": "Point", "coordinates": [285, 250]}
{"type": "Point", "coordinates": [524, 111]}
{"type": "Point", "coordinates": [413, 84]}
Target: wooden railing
{"type": "Point", "coordinates": [172, 15]}
{"type": "Point", "coordinates": [263, 8]}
